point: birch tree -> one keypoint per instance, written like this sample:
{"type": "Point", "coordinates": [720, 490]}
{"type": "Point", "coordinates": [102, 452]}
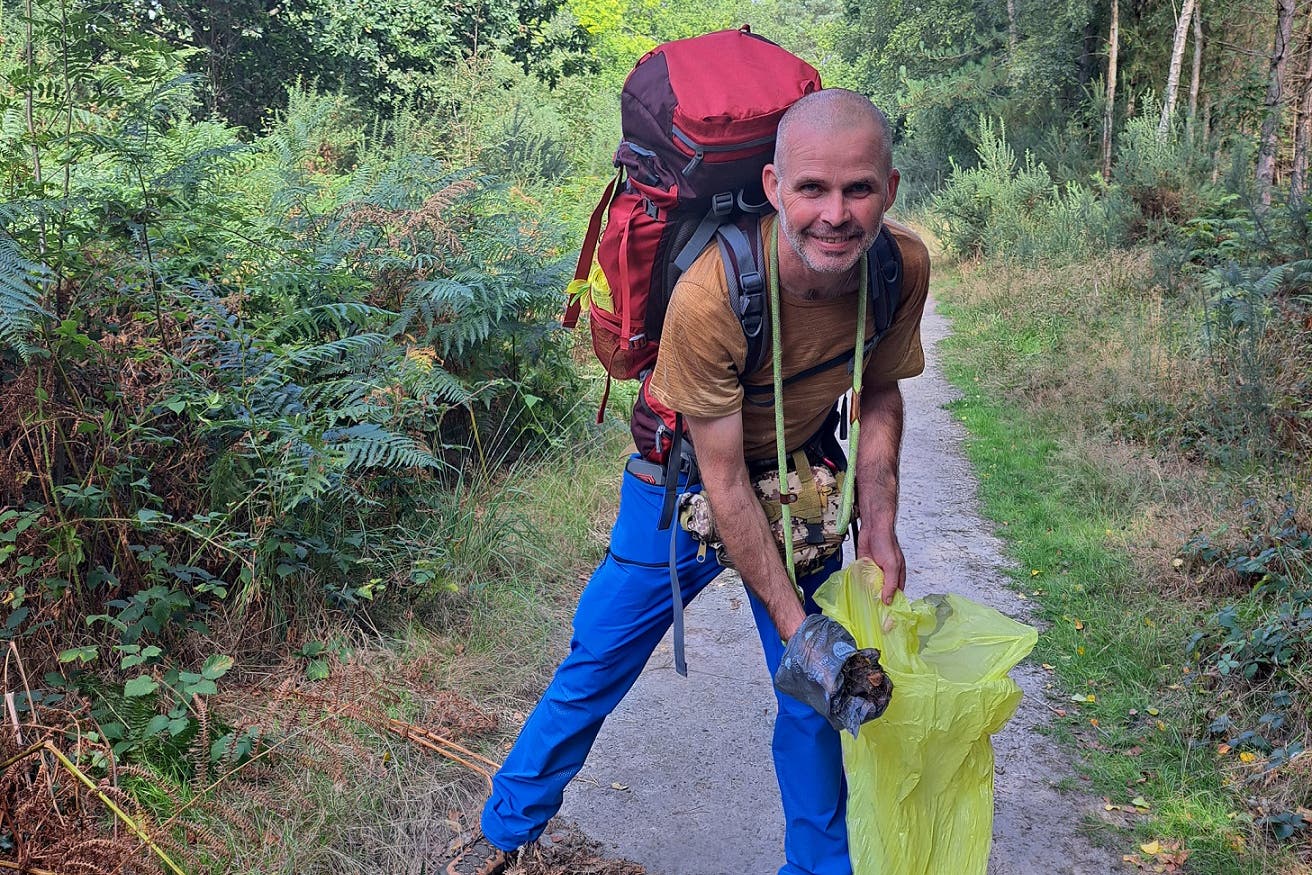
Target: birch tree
{"type": "Point", "coordinates": [1197, 71]}
{"type": "Point", "coordinates": [1177, 59]}
{"type": "Point", "coordinates": [1302, 131]}
{"type": "Point", "coordinates": [1109, 112]}
{"type": "Point", "coordinates": [1266, 153]}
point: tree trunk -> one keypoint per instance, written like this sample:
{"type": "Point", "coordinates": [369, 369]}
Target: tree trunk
{"type": "Point", "coordinates": [1197, 71]}
{"type": "Point", "coordinates": [1266, 153]}
{"type": "Point", "coordinates": [1177, 59]}
{"type": "Point", "coordinates": [1013, 34]}
{"type": "Point", "coordinates": [1109, 113]}
{"type": "Point", "coordinates": [1302, 136]}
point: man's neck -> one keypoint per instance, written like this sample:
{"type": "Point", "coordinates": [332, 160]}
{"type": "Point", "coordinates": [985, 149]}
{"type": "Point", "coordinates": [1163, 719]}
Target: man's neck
{"type": "Point", "coordinates": [800, 283]}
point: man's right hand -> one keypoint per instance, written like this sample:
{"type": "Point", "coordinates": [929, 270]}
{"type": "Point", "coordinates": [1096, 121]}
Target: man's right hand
{"type": "Point", "coordinates": [823, 668]}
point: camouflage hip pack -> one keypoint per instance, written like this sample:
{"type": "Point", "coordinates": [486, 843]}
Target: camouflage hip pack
{"type": "Point", "coordinates": [815, 514]}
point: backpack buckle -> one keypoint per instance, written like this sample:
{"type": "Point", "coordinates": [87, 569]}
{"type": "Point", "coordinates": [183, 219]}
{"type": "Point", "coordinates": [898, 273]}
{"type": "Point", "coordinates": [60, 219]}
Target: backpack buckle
{"type": "Point", "coordinates": [751, 282]}
{"type": "Point", "coordinates": [722, 203]}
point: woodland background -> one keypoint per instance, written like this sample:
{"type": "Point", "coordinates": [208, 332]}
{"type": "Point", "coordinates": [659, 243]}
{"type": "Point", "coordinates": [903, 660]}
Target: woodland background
{"type": "Point", "coordinates": [290, 438]}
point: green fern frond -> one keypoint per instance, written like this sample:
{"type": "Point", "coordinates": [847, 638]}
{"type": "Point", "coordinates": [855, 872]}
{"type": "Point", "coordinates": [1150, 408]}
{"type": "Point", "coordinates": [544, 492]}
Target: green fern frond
{"type": "Point", "coordinates": [371, 446]}
{"type": "Point", "coordinates": [440, 387]}
{"type": "Point", "coordinates": [20, 298]}
{"type": "Point", "coordinates": [334, 350]}
{"type": "Point", "coordinates": [340, 318]}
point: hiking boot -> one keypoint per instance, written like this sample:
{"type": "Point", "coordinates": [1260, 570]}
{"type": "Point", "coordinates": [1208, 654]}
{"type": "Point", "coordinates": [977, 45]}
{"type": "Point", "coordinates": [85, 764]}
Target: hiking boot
{"type": "Point", "coordinates": [472, 854]}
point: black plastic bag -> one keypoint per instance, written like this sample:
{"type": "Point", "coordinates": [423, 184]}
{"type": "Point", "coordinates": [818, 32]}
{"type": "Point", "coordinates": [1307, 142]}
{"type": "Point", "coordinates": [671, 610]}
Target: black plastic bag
{"type": "Point", "coordinates": [823, 668]}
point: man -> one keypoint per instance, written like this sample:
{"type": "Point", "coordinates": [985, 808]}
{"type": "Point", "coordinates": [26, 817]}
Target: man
{"type": "Point", "coordinates": [832, 181]}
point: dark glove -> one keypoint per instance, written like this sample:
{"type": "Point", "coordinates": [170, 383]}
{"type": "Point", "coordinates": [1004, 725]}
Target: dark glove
{"type": "Point", "coordinates": [822, 667]}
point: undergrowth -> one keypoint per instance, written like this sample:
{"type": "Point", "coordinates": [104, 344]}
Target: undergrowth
{"type": "Point", "coordinates": [363, 748]}
{"type": "Point", "coordinates": [1157, 505]}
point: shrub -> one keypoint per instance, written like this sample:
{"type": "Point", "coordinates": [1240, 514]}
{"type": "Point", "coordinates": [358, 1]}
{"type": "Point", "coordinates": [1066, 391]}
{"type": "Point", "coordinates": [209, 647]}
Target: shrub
{"type": "Point", "coordinates": [1013, 209]}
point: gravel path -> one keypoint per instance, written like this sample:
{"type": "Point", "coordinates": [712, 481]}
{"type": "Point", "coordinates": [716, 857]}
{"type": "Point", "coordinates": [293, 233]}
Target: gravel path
{"type": "Point", "coordinates": [681, 779]}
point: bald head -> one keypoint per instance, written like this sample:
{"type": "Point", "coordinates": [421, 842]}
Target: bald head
{"type": "Point", "coordinates": [831, 110]}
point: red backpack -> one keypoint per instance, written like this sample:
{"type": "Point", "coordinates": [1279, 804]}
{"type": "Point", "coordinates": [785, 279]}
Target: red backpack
{"type": "Point", "coordinates": [698, 117]}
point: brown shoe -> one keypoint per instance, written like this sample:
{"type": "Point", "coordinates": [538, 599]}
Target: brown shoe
{"type": "Point", "coordinates": [472, 854]}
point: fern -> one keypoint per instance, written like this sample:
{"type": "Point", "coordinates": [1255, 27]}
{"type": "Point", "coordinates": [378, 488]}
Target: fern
{"type": "Point", "coordinates": [20, 298]}
{"type": "Point", "coordinates": [372, 446]}
{"type": "Point", "coordinates": [340, 318]}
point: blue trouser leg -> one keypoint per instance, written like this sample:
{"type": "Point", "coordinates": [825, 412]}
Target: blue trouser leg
{"type": "Point", "coordinates": [808, 761]}
{"type": "Point", "coordinates": [621, 616]}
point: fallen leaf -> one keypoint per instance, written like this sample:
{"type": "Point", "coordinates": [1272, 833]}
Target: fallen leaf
{"type": "Point", "coordinates": [1079, 625]}
{"type": "Point", "coordinates": [1154, 848]}
{"type": "Point", "coordinates": [1153, 711]}
{"type": "Point", "coordinates": [616, 785]}
{"type": "Point", "coordinates": [1140, 802]}
{"type": "Point", "coordinates": [1222, 749]}
{"type": "Point", "coordinates": [1093, 721]}
{"type": "Point", "coordinates": [1161, 727]}
{"type": "Point", "coordinates": [1177, 562]}
{"type": "Point", "coordinates": [1247, 757]}
{"type": "Point", "coordinates": [1047, 666]}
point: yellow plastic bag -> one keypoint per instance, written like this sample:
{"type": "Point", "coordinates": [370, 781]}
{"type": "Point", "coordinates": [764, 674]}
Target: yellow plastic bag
{"type": "Point", "coordinates": [920, 778]}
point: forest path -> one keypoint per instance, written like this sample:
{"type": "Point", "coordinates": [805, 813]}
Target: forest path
{"type": "Point", "coordinates": [681, 778]}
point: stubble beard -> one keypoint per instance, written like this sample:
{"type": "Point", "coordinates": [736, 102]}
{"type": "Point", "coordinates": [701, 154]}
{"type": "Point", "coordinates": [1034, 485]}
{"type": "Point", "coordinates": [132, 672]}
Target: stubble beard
{"type": "Point", "coordinates": [796, 240]}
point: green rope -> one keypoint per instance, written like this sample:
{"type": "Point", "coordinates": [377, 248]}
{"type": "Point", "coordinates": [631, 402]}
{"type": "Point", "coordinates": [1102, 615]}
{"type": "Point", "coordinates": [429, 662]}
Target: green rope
{"type": "Point", "coordinates": [776, 356]}
{"type": "Point", "coordinates": [854, 430]}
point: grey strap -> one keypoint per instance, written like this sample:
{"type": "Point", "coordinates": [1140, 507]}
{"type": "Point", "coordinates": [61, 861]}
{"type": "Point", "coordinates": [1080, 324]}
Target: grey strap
{"type": "Point", "coordinates": [680, 663]}
{"type": "Point", "coordinates": [721, 207]}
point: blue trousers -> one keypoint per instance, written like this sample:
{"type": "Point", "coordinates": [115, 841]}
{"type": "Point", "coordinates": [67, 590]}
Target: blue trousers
{"type": "Point", "coordinates": [622, 615]}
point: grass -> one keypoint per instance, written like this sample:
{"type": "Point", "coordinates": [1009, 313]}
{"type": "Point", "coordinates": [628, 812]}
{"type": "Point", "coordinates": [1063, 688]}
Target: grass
{"type": "Point", "coordinates": [1096, 518]}
{"type": "Point", "coordinates": [516, 550]}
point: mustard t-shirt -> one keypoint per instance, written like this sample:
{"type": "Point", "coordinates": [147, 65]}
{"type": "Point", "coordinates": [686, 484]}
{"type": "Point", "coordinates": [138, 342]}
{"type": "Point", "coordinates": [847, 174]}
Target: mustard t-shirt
{"type": "Point", "coordinates": [703, 349]}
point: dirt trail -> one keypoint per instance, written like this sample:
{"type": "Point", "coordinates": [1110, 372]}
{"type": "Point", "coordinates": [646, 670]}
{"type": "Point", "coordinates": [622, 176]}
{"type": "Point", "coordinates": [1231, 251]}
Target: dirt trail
{"type": "Point", "coordinates": [681, 779]}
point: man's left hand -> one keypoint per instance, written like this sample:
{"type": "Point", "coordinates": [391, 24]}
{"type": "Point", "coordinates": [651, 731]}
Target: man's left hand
{"type": "Point", "coordinates": [885, 551]}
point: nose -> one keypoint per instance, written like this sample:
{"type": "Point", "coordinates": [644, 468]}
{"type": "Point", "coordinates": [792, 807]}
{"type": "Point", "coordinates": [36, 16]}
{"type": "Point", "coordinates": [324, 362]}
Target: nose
{"type": "Point", "coordinates": [834, 211]}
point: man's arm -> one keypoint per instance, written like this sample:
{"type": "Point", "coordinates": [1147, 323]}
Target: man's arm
{"type": "Point", "coordinates": [741, 520]}
{"type": "Point", "coordinates": [878, 449]}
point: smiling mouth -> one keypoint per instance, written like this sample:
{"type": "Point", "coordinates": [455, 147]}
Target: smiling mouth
{"type": "Point", "coordinates": [835, 240]}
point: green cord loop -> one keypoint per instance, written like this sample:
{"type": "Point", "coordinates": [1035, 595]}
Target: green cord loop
{"type": "Point", "coordinates": [776, 357]}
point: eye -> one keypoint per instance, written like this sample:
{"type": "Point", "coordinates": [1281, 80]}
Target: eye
{"type": "Point", "coordinates": [860, 189]}
{"type": "Point", "coordinates": [810, 188]}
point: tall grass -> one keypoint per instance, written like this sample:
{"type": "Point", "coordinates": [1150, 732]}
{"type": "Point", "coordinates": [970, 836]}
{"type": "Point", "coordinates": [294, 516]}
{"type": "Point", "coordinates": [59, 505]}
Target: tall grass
{"type": "Point", "coordinates": [1102, 429]}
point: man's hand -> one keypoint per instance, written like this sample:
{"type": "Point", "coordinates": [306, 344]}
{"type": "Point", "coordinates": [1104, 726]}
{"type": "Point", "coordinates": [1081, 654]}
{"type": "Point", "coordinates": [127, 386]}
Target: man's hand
{"type": "Point", "coordinates": [883, 548]}
{"type": "Point", "coordinates": [822, 667]}
{"type": "Point", "coordinates": [877, 457]}
{"type": "Point", "coordinates": [740, 519]}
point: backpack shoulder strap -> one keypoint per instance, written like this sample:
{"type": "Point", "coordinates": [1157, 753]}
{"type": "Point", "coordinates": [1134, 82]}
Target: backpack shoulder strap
{"type": "Point", "coordinates": [885, 265]}
{"type": "Point", "coordinates": [740, 250]}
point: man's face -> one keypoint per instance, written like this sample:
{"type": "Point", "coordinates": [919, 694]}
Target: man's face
{"type": "Point", "coordinates": [831, 196]}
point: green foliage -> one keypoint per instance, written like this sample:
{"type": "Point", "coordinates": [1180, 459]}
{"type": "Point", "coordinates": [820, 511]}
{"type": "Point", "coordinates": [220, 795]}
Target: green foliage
{"type": "Point", "coordinates": [1006, 208]}
{"type": "Point", "coordinates": [20, 299]}
{"type": "Point", "coordinates": [1265, 636]}
{"type": "Point", "coordinates": [383, 54]}
{"type": "Point", "coordinates": [235, 373]}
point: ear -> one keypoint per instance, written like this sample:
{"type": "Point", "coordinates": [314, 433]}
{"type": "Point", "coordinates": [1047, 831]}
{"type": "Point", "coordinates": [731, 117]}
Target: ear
{"type": "Point", "coordinates": [893, 179]}
{"type": "Point", "coordinates": [770, 182]}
